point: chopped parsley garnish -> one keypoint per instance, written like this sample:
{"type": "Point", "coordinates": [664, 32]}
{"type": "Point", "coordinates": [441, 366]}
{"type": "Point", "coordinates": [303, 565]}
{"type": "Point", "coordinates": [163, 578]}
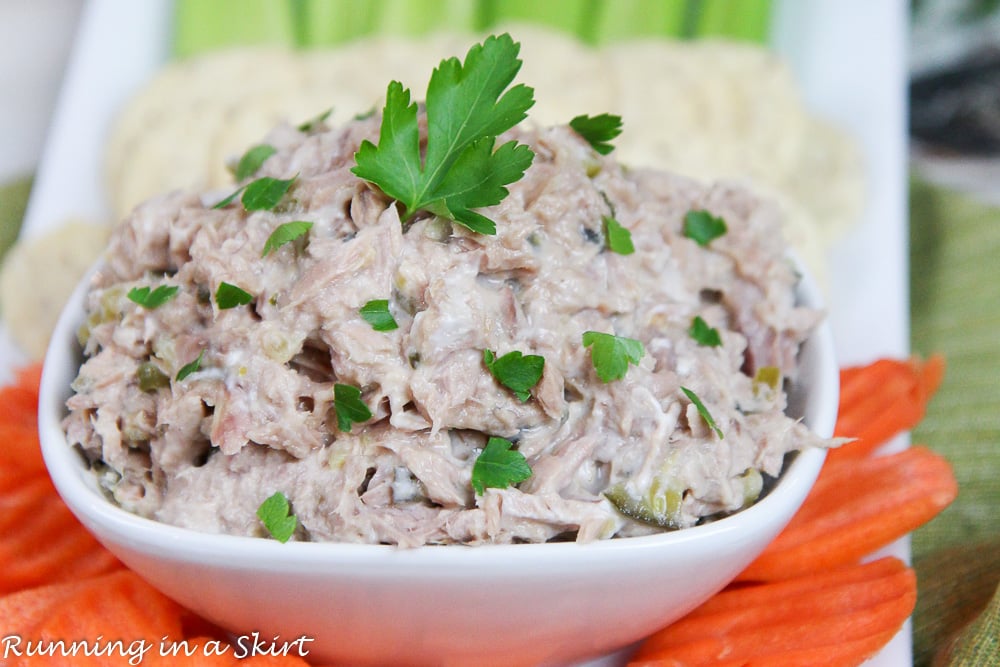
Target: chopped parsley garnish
{"type": "Point", "coordinates": [152, 298]}
{"type": "Point", "coordinates": [376, 313]}
{"type": "Point", "coordinates": [252, 161]}
{"type": "Point", "coordinates": [349, 407]}
{"type": "Point", "coordinates": [315, 122]}
{"type": "Point", "coordinates": [598, 130]}
{"type": "Point", "coordinates": [190, 367]}
{"type": "Point", "coordinates": [365, 115]}
{"type": "Point", "coordinates": [499, 466]}
{"type": "Point", "coordinates": [260, 195]}
{"type": "Point", "coordinates": [703, 411]}
{"type": "Point", "coordinates": [277, 519]}
{"type": "Point", "coordinates": [285, 233]}
{"type": "Point", "coordinates": [516, 371]}
{"type": "Point", "coordinates": [612, 354]}
{"type": "Point", "coordinates": [702, 227]}
{"type": "Point", "coordinates": [703, 333]}
{"type": "Point", "coordinates": [265, 193]}
{"type": "Point", "coordinates": [231, 296]}
{"type": "Point", "coordinates": [466, 110]}
{"type": "Point", "coordinates": [619, 238]}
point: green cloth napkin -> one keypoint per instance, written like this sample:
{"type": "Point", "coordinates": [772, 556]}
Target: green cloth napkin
{"type": "Point", "coordinates": [979, 643]}
{"type": "Point", "coordinates": [955, 309]}
{"type": "Point", "coordinates": [955, 622]}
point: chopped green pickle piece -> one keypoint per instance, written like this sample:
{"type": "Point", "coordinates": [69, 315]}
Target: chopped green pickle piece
{"type": "Point", "coordinates": [753, 484]}
{"type": "Point", "coordinates": [767, 376]}
{"type": "Point", "coordinates": [659, 506]}
{"type": "Point", "coordinates": [151, 377]}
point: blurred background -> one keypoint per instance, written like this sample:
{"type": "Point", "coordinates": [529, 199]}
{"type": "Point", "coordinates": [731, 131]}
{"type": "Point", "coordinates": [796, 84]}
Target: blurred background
{"type": "Point", "coordinates": [955, 93]}
{"type": "Point", "coordinates": [954, 58]}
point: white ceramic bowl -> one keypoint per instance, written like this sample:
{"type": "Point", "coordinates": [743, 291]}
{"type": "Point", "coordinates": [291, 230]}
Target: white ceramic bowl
{"type": "Point", "coordinates": [527, 604]}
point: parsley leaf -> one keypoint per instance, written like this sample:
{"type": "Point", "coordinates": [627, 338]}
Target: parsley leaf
{"type": "Point", "coordinates": [277, 519]}
{"type": "Point", "coordinates": [314, 123]}
{"type": "Point", "coordinates": [704, 334]}
{"type": "Point", "coordinates": [349, 407]}
{"type": "Point", "coordinates": [261, 195]}
{"type": "Point", "coordinates": [619, 238]}
{"type": "Point", "coordinates": [150, 299]}
{"type": "Point", "coordinates": [265, 193]}
{"type": "Point", "coordinates": [285, 233]}
{"type": "Point", "coordinates": [702, 227]}
{"type": "Point", "coordinates": [466, 110]}
{"type": "Point", "coordinates": [376, 313]}
{"type": "Point", "coordinates": [612, 354]}
{"type": "Point", "coordinates": [598, 130]}
{"type": "Point", "coordinates": [252, 160]}
{"type": "Point", "coordinates": [499, 466]}
{"type": "Point", "coordinates": [231, 296]}
{"type": "Point", "coordinates": [515, 371]}
{"type": "Point", "coordinates": [190, 367]}
{"type": "Point", "coordinates": [229, 200]}
{"type": "Point", "coordinates": [703, 411]}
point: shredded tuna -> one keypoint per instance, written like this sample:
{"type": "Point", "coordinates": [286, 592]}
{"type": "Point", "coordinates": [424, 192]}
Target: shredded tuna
{"type": "Point", "coordinates": [258, 417]}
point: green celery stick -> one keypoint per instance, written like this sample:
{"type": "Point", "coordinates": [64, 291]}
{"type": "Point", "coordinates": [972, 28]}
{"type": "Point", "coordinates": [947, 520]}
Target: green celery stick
{"type": "Point", "coordinates": [625, 19]}
{"type": "Point", "coordinates": [419, 17]}
{"type": "Point", "coordinates": [203, 25]}
{"type": "Point", "coordinates": [569, 16]}
{"type": "Point", "coordinates": [747, 20]}
{"type": "Point", "coordinates": [332, 22]}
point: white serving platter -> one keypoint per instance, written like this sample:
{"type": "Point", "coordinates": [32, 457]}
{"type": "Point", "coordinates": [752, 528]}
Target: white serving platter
{"type": "Point", "coordinates": [848, 56]}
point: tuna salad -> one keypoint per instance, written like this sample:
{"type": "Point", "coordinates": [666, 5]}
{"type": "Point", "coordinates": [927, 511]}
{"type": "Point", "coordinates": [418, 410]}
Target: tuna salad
{"type": "Point", "coordinates": [611, 362]}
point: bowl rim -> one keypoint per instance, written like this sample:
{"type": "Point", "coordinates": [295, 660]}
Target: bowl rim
{"type": "Point", "coordinates": [117, 525]}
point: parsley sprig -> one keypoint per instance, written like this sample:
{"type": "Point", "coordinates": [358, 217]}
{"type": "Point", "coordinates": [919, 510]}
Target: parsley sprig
{"type": "Point", "coordinates": [285, 233]}
{"type": "Point", "coordinates": [612, 354]}
{"type": "Point", "coordinates": [190, 367]}
{"type": "Point", "coordinates": [253, 160]}
{"type": "Point", "coordinates": [152, 298]}
{"type": "Point", "coordinates": [263, 194]}
{"type": "Point", "coordinates": [499, 466]}
{"type": "Point", "coordinates": [376, 313]}
{"type": "Point", "coordinates": [231, 296]}
{"type": "Point", "coordinates": [598, 130]}
{"type": "Point", "coordinates": [349, 407]}
{"type": "Point", "coordinates": [703, 411]}
{"type": "Point", "coordinates": [516, 371]}
{"type": "Point", "coordinates": [315, 122]}
{"type": "Point", "coordinates": [704, 333]}
{"type": "Point", "coordinates": [276, 516]}
{"type": "Point", "coordinates": [702, 227]}
{"type": "Point", "coordinates": [619, 238]}
{"type": "Point", "coordinates": [467, 109]}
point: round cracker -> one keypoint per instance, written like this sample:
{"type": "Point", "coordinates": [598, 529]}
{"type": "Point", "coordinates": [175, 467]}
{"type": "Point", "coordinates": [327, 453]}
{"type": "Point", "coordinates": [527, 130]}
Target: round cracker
{"type": "Point", "coordinates": [38, 276]}
{"type": "Point", "coordinates": [164, 136]}
{"type": "Point", "coordinates": [708, 109]}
